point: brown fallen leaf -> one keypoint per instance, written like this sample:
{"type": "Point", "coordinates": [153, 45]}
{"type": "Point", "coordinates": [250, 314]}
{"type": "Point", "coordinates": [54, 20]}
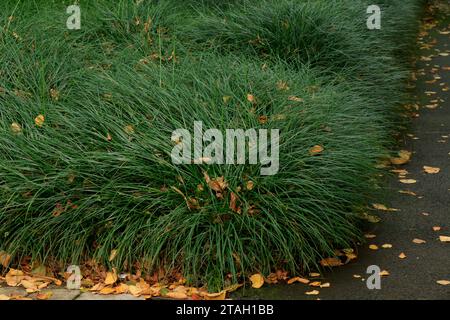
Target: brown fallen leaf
{"type": "Point", "coordinates": [444, 238]}
{"type": "Point", "coordinates": [216, 296]}
{"type": "Point", "coordinates": [418, 241]}
{"type": "Point", "coordinates": [298, 279]}
{"type": "Point", "coordinates": [407, 192]}
{"type": "Point", "coordinates": [373, 247]}
{"type": "Point", "coordinates": [315, 284]}
{"type": "Point", "coordinates": [331, 262]}
{"type": "Point", "coordinates": [44, 295]}
{"type": "Point", "coordinates": [14, 277]}
{"type": "Point", "coordinates": [295, 98]}
{"type": "Point", "coordinates": [257, 280]}
{"type": "Point", "coordinates": [176, 295]}
{"type": "Point", "coordinates": [4, 297]}
{"type": "Point", "coordinates": [112, 255]}
{"type": "Point", "coordinates": [431, 170]}
{"type": "Point", "coordinates": [436, 228]}
{"type": "Point", "coordinates": [4, 259]}
{"type": "Point", "coordinates": [314, 274]}
{"type": "Point", "coordinates": [402, 255]}
{"type": "Point", "coordinates": [443, 282]}
{"type": "Point", "coordinates": [369, 236]}
{"type": "Point", "coordinates": [384, 273]}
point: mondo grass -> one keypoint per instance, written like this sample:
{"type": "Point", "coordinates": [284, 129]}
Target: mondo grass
{"type": "Point", "coordinates": [97, 175]}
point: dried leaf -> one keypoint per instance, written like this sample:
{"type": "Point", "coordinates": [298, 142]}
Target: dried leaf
{"type": "Point", "coordinates": [4, 259]}
{"type": "Point", "coordinates": [402, 255]}
{"type": "Point", "coordinates": [407, 181]}
{"type": "Point", "coordinates": [312, 293]}
{"type": "Point", "coordinates": [403, 157]}
{"type": "Point", "coordinates": [331, 262]}
{"type": "Point", "coordinates": [14, 277]}
{"type": "Point", "coordinates": [44, 296]}
{"type": "Point", "coordinates": [4, 297]}
{"type": "Point", "coordinates": [250, 185]}
{"type": "Point", "coordinates": [315, 150]}
{"type": "Point", "coordinates": [382, 207]}
{"type": "Point", "coordinates": [16, 128]}
{"type": "Point", "coordinates": [315, 284]}
{"type": "Point", "coordinates": [39, 120]}
{"type": "Point", "coordinates": [295, 98]}
{"type": "Point", "coordinates": [387, 246]}
{"type": "Point", "coordinates": [431, 170]}
{"type": "Point", "coordinates": [257, 280]}
{"type": "Point", "coordinates": [373, 247]}
{"type": "Point", "coordinates": [298, 279]}
{"type": "Point", "coordinates": [418, 241]}
{"type": "Point", "coordinates": [107, 290]}
{"type": "Point", "coordinates": [111, 277]}
{"type": "Point", "coordinates": [444, 238]}
{"type": "Point", "coordinates": [384, 273]}
{"type": "Point", "coordinates": [112, 255]}
{"type": "Point", "coordinates": [176, 295]}
{"type": "Point", "coordinates": [251, 98]}
{"type": "Point", "coordinates": [443, 282]}
{"type": "Point", "coordinates": [436, 228]}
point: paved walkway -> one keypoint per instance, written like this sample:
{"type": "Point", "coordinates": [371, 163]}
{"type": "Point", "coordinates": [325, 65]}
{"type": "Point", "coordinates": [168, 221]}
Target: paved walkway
{"type": "Point", "coordinates": [415, 276]}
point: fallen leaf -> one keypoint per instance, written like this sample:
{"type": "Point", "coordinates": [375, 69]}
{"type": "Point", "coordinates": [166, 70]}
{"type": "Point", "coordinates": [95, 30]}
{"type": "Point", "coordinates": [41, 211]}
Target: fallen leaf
{"type": "Point", "coordinates": [14, 277]}
{"type": "Point", "coordinates": [315, 284]}
{"type": "Point", "coordinates": [386, 246]}
{"type": "Point", "coordinates": [418, 241]}
{"type": "Point", "coordinates": [330, 262]}
{"type": "Point", "coordinates": [217, 296]}
{"type": "Point", "coordinates": [295, 98]}
{"type": "Point", "coordinates": [257, 280]}
{"type": "Point", "coordinates": [176, 295]}
{"type": "Point", "coordinates": [111, 277]}
{"type": "Point", "coordinates": [129, 129]}
{"type": "Point", "coordinates": [369, 236]}
{"type": "Point", "coordinates": [233, 287]}
{"type": "Point", "coordinates": [282, 85]}
{"type": "Point", "coordinates": [373, 247]}
{"type": "Point", "coordinates": [251, 98]}
{"type": "Point", "coordinates": [325, 285]}
{"type": "Point", "coordinates": [298, 279]}
{"type": "Point", "coordinates": [443, 282]}
{"type": "Point", "coordinates": [112, 255]}
{"type": "Point", "coordinates": [39, 120]}
{"type": "Point", "coordinates": [408, 192]}
{"type": "Point", "coordinates": [382, 207]}
{"type": "Point", "coordinates": [436, 228]}
{"type": "Point", "coordinates": [314, 274]}
{"type": "Point", "coordinates": [384, 273]}
{"type": "Point", "coordinates": [312, 293]}
{"type": "Point", "coordinates": [444, 238]}
{"type": "Point", "coordinates": [4, 259]}
{"type": "Point", "coordinates": [44, 296]}
{"type": "Point", "coordinates": [4, 297]}
{"type": "Point", "coordinates": [250, 185]}
{"type": "Point", "coordinates": [16, 128]}
{"type": "Point", "coordinates": [402, 255]}
{"type": "Point", "coordinates": [315, 150]}
{"type": "Point", "coordinates": [403, 157]}
{"type": "Point", "coordinates": [431, 170]}
{"type": "Point", "coordinates": [407, 181]}
{"type": "Point", "coordinates": [135, 291]}
{"type": "Point", "coordinates": [107, 290]}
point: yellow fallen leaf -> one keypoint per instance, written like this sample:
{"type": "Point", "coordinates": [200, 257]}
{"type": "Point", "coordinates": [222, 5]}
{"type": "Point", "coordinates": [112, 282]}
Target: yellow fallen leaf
{"type": "Point", "coordinates": [295, 98]}
{"type": "Point", "coordinates": [298, 279]}
{"type": "Point", "coordinates": [418, 241]}
{"type": "Point", "coordinates": [407, 181]}
{"type": "Point", "coordinates": [112, 254]}
{"type": "Point", "coordinates": [39, 120]}
{"type": "Point", "coordinates": [436, 228]}
{"type": "Point", "coordinates": [257, 280]}
{"type": "Point", "coordinates": [402, 255]}
{"type": "Point", "coordinates": [129, 129]}
{"type": "Point", "coordinates": [431, 170]}
{"type": "Point", "coordinates": [384, 273]}
{"type": "Point", "coordinates": [408, 192]}
{"type": "Point", "coordinates": [443, 282]}
{"type": "Point", "coordinates": [250, 185]}
{"type": "Point", "coordinates": [121, 288]}
{"type": "Point", "coordinates": [107, 290]}
{"type": "Point", "coordinates": [14, 277]}
{"type": "Point", "coordinates": [315, 150]}
{"type": "Point", "coordinates": [225, 99]}
{"type": "Point", "coordinates": [135, 291]}
{"type": "Point", "coordinates": [373, 247]}
{"type": "Point", "coordinates": [313, 292]}
{"type": "Point", "coordinates": [251, 98]}
{"type": "Point", "coordinates": [315, 284]}
{"type": "Point", "coordinates": [4, 297]}
{"type": "Point", "coordinates": [325, 285]}
{"type": "Point", "coordinates": [444, 238]}
{"type": "Point", "coordinates": [314, 274]}
{"type": "Point", "coordinates": [386, 246]}
{"type": "Point", "coordinates": [16, 128]}
{"type": "Point", "coordinates": [403, 157]}
{"type": "Point", "coordinates": [369, 236]}
{"type": "Point", "coordinates": [382, 207]}
{"type": "Point", "coordinates": [443, 54]}
{"type": "Point", "coordinates": [216, 296]}
{"type": "Point", "coordinates": [111, 277]}
{"type": "Point", "coordinates": [176, 295]}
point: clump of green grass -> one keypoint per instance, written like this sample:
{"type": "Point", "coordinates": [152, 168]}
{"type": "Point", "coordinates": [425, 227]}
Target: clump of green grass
{"type": "Point", "coordinates": [97, 176]}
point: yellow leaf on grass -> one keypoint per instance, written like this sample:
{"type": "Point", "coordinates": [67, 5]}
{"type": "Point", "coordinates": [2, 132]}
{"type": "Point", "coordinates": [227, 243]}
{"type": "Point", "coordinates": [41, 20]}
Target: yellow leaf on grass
{"type": "Point", "coordinates": [257, 280]}
{"type": "Point", "coordinates": [295, 98]}
{"type": "Point", "coordinates": [315, 150]}
{"type": "Point", "coordinates": [111, 277]}
{"type": "Point", "coordinates": [39, 120]}
{"type": "Point", "coordinates": [16, 128]}
{"type": "Point", "coordinates": [443, 282]}
{"type": "Point", "coordinates": [444, 238]}
{"type": "Point", "coordinates": [112, 254]}
{"type": "Point", "coordinates": [250, 185]}
{"type": "Point", "coordinates": [431, 170]}
{"type": "Point", "coordinates": [418, 241]}
{"type": "Point", "coordinates": [251, 98]}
